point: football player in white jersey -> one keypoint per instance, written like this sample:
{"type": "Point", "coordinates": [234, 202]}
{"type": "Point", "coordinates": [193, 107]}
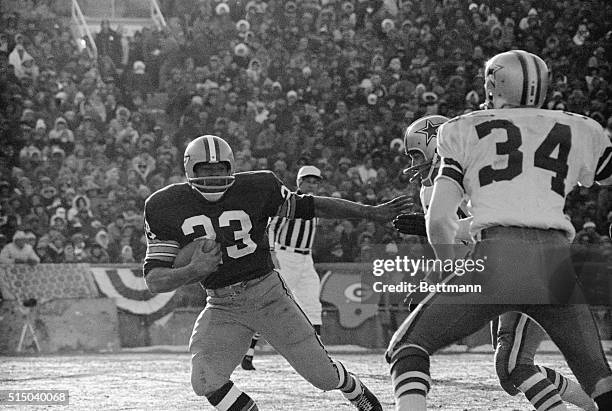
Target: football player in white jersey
{"type": "Point", "coordinates": [515, 336]}
{"type": "Point", "coordinates": [420, 146]}
{"type": "Point", "coordinates": [516, 163]}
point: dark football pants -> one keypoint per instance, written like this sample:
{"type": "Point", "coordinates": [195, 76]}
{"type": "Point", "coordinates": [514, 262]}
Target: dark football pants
{"type": "Point", "coordinates": [223, 331]}
{"type": "Point", "coordinates": [526, 266]}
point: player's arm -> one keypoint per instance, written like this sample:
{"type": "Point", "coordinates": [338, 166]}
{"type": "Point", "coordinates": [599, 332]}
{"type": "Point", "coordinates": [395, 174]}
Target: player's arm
{"type": "Point", "coordinates": [202, 264]}
{"type": "Point", "coordinates": [162, 248]}
{"type": "Point", "coordinates": [331, 207]}
{"type": "Point", "coordinates": [441, 218]}
{"type": "Point", "coordinates": [286, 204]}
{"type": "Point", "coordinates": [165, 279]}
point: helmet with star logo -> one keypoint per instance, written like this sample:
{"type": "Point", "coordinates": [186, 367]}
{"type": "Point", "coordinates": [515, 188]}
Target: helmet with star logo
{"type": "Point", "coordinates": [420, 146]}
{"type": "Point", "coordinates": [515, 78]}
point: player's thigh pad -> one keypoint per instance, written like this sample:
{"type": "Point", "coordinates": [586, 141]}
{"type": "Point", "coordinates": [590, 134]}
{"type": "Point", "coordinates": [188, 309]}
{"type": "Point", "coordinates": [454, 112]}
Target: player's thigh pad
{"type": "Point", "coordinates": [285, 326]}
{"type": "Point", "coordinates": [217, 344]}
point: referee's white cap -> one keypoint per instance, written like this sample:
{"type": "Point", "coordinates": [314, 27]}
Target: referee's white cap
{"type": "Point", "coordinates": [308, 171]}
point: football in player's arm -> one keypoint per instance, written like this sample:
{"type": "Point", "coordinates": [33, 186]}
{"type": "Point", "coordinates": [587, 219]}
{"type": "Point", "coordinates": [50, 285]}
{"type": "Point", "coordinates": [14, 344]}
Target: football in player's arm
{"type": "Point", "coordinates": [203, 263]}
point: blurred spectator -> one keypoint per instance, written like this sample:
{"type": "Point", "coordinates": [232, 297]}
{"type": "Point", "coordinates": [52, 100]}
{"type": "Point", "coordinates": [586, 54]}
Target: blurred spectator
{"type": "Point", "coordinates": [127, 255]}
{"type": "Point", "coordinates": [61, 136]}
{"type": "Point", "coordinates": [55, 249]}
{"type": "Point", "coordinates": [19, 251]}
{"type": "Point", "coordinates": [108, 43]}
{"type": "Point", "coordinates": [80, 247]}
{"type": "Point", "coordinates": [19, 57]}
{"type": "Point", "coordinates": [42, 250]}
{"type": "Point", "coordinates": [98, 255]}
{"type": "Point", "coordinates": [588, 234]}
{"type": "Point", "coordinates": [138, 80]}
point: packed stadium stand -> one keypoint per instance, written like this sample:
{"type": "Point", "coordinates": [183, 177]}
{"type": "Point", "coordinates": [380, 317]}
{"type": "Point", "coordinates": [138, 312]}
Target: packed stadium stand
{"type": "Point", "coordinates": [86, 137]}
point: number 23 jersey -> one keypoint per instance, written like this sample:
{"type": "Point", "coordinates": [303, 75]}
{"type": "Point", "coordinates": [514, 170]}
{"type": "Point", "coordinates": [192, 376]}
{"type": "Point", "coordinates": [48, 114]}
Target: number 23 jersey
{"type": "Point", "coordinates": [177, 214]}
{"type": "Point", "coordinates": [518, 165]}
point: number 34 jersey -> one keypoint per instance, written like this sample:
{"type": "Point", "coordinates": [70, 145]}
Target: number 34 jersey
{"type": "Point", "coordinates": [518, 165]}
{"type": "Point", "coordinates": [177, 214]}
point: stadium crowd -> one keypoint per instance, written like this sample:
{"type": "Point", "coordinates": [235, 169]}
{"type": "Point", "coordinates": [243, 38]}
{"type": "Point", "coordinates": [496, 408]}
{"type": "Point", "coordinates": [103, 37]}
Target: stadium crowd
{"type": "Point", "coordinates": [323, 82]}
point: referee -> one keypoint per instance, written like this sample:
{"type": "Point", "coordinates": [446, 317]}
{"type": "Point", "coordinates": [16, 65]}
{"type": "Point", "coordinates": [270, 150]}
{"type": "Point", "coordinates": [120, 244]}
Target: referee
{"type": "Point", "coordinates": [291, 241]}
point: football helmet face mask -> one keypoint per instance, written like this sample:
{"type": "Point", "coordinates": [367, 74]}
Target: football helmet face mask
{"type": "Point", "coordinates": [209, 149]}
{"type": "Point", "coordinates": [515, 78]}
{"type": "Point", "coordinates": [420, 146]}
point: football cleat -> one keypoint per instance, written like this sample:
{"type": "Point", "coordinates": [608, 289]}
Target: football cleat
{"type": "Point", "coordinates": [247, 363]}
{"type": "Point", "coordinates": [366, 401]}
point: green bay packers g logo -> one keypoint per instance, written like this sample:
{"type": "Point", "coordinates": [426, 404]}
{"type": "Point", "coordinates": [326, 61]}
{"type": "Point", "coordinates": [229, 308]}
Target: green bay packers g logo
{"type": "Point", "coordinates": [358, 292]}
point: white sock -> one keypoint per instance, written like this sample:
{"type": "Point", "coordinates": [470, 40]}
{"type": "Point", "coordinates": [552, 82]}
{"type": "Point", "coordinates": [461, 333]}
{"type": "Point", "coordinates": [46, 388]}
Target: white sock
{"type": "Point", "coordinates": [575, 394]}
{"type": "Point", "coordinates": [411, 402]}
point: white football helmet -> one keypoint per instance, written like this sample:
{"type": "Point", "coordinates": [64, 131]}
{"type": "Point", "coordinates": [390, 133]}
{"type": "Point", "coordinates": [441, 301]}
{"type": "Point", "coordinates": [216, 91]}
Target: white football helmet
{"type": "Point", "coordinates": [420, 141]}
{"type": "Point", "coordinates": [209, 149]}
{"type": "Point", "coordinates": [515, 78]}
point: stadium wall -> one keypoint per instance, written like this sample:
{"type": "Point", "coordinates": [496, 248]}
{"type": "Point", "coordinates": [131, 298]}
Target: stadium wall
{"type": "Point", "coordinates": [63, 325]}
{"type": "Point", "coordinates": [104, 307]}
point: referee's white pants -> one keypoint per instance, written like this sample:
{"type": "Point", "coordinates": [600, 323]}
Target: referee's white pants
{"type": "Point", "coordinates": [298, 272]}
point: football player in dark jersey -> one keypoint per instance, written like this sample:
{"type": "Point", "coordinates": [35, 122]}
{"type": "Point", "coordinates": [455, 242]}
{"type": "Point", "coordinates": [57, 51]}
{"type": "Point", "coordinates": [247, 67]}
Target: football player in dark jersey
{"type": "Point", "coordinates": [245, 294]}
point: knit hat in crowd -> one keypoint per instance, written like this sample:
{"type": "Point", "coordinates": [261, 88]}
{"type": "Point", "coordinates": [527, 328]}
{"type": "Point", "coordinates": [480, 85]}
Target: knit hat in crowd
{"type": "Point", "coordinates": [19, 235]}
{"type": "Point", "coordinates": [139, 67]}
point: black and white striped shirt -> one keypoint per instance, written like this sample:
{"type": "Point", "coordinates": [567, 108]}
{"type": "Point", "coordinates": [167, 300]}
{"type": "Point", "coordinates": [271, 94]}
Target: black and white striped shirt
{"type": "Point", "coordinates": [291, 234]}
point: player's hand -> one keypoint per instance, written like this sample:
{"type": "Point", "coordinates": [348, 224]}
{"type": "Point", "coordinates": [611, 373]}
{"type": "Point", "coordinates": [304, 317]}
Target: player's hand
{"type": "Point", "coordinates": [388, 211]}
{"type": "Point", "coordinates": [413, 223]}
{"type": "Point", "coordinates": [206, 259]}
